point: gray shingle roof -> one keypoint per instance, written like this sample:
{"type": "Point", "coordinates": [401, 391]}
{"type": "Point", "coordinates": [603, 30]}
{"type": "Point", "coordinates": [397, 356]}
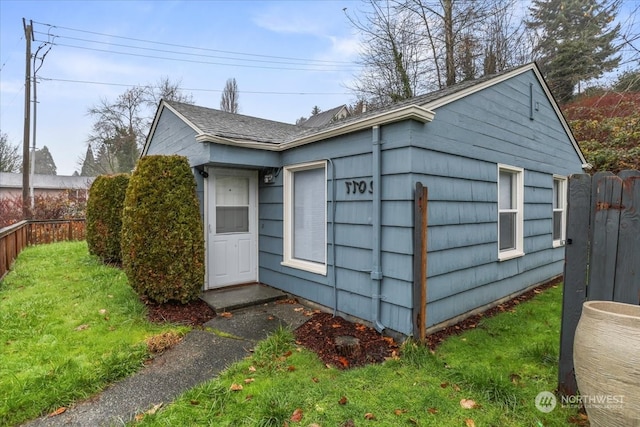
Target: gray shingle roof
{"type": "Point", "coordinates": [236, 126]}
{"type": "Point", "coordinates": [240, 127]}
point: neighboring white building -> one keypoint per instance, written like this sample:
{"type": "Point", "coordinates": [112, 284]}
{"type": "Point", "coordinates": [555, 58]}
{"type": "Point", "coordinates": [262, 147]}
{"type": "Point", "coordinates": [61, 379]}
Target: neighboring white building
{"type": "Point", "coordinates": [46, 185]}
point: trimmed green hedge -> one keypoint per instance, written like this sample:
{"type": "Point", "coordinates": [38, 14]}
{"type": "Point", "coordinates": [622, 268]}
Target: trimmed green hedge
{"type": "Point", "coordinates": [162, 232]}
{"type": "Point", "coordinates": [104, 216]}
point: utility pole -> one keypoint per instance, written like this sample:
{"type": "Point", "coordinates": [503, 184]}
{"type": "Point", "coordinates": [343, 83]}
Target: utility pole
{"type": "Point", "coordinates": [28, 36]}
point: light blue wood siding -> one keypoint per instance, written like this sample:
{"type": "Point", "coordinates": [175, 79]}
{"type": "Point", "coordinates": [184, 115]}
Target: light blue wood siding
{"type": "Point", "coordinates": [456, 157]}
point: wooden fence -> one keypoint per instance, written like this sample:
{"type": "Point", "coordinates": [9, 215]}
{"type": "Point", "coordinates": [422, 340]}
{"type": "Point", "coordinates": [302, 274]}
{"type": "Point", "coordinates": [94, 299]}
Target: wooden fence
{"type": "Point", "coordinates": [34, 232]}
{"type": "Point", "coordinates": [602, 260]}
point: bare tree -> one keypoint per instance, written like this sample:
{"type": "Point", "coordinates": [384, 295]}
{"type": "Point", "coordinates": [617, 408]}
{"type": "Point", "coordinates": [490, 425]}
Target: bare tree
{"type": "Point", "coordinates": [414, 45]}
{"type": "Point", "coordinates": [167, 90]}
{"type": "Point", "coordinates": [229, 98]}
{"type": "Point", "coordinates": [120, 126]}
{"type": "Point", "coordinates": [391, 58]}
{"type": "Point", "coordinates": [10, 159]}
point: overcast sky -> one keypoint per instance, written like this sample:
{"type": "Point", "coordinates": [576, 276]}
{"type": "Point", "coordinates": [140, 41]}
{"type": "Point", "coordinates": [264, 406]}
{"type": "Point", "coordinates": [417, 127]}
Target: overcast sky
{"type": "Point", "coordinates": [286, 57]}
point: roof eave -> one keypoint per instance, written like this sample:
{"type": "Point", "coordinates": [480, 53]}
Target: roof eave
{"type": "Point", "coordinates": [409, 112]}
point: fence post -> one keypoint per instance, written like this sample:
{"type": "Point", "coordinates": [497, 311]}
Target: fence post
{"type": "Point", "coordinates": [419, 315]}
{"type": "Point", "coordinates": [575, 275]}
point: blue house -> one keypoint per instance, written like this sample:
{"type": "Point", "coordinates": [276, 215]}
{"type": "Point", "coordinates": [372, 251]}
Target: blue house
{"type": "Point", "coordinates": [327, 213]}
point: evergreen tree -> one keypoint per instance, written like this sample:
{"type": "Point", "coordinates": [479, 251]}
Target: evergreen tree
{"type": "Point", "coordinates": [89, 164]}
{"type": "Point", "coordinates": [576, 41]}
{"type": "Point", "coordinates": [44, 162]}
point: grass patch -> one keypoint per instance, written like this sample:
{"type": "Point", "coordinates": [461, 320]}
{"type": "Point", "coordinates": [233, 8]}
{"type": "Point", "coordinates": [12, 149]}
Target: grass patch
{"type": "Point", "coordinates": [69, 326]}
{"type": "Point", "coordinates": [501, 366]}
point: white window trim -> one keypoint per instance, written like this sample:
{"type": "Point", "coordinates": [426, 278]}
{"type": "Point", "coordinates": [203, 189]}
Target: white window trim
{"type": "Point", "coordinates": [288, 259]}
{"type": "Point", "coordinates": [518, 251]}
{"type": "Point", "coordinates": [563, 190]}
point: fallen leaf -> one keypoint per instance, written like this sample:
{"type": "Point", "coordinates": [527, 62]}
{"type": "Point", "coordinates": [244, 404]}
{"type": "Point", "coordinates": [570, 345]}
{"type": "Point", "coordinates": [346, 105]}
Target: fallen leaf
{"type": "Point", "coordinates": [296, 417]}
{"type": "Point", "coordinates": [298, 309]}
{"type": "Point", "coordinates": [456, 387]}
{"type": "Point", "coordinates": [389, 340]}
{"type": "Point", "coordinates": [249, 397]}
{"type": "Point", "coordinates": [343, 400]}
{"type": "Point", "coordinates": [348, 423]}
{"type": "Point", "coordinates": [252, 368]}
{"type": "Point", "coordinates": [343, 361]}
{"type": "Point", "coordinates": [288, 353]}
{"type": "Point", "coordinates": [314, 425]}
{"type": "Point", "coordinates": [470, 423]}
{"type": "Point", "coordinates": [235, 387]}
{"type": "Point", "coordinates": [468, 404]}
{"type": "Point", "coordinates": [444, 385]}
{"type": "Point", "coordinates": [249, 380]}
{"type": "Point", "coordinates": [194, 402]}
{"type": "Point", "coordinates": [82, 327]}
{"type": "Point", "coordinates": [154, 409]}
{"type": "Point", "coordinates": [432, 411]}
{"type": "Point", "coordinates": [413, 421]}
{"type": "Point", "coordinates": [400, 411]}
{"type": "Point", "coordinates": [369, 416]}
{"type": "Point", "coordinates": [336, 325]}
{"type": "Point", "coordinates": [226, 314]}
{"type": "Point", "coordinates": [308, 313]}
{"type": "Point", "coordinates": [315, 380]}
{"type": "Point", "coordinates": [291, 368]}
{"type": "Point", "coordinates": [515, 378]}
{"type": "Point", "coordinates": [58, 411]}
{"type": "Point", "coordinates": [360, 327]}
{"type": "Point", "coordinates": [102, 311]}
{"type": "Point", "coordinates": [270, 318]}
{"type": "Point", "coordinates": [139, 417]}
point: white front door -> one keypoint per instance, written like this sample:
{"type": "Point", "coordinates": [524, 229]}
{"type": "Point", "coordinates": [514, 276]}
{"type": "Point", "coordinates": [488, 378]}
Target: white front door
{"type": "Point", "coordinates": [232, 248]}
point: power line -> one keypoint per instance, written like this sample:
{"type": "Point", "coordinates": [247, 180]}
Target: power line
{"type": "Point", "coordinates": [196, 48]}
{"type": "Point", "coordinates": [192, 89]}
{"type": "Point", "coordinates": [193, 61]}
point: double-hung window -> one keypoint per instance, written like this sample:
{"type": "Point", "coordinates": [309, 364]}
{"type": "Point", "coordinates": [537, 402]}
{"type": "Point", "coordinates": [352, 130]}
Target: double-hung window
{"type": "Point", "coordinates": [510, 212]}
{"type": "Point", "coordinates": [305, 217]}
{"type": "Point", "coordinates": [559, 210]}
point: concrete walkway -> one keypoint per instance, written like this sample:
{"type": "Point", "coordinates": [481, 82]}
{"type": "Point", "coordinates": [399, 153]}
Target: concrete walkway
{"type": "Point", "coordinates": [199, 357]}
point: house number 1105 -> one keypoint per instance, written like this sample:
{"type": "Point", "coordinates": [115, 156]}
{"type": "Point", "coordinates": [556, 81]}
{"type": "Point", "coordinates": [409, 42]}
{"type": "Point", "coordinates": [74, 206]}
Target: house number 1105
{"type": "Point", "coordinates": [361, 187]}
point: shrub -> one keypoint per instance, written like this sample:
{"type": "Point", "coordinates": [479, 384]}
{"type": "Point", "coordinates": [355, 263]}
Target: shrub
{"type": "Point", "coordinates": [104, 216]}
{"type": "Point", "coordinates": [63, 205]}
{"type": "Point", "coordinates": [162, 233]}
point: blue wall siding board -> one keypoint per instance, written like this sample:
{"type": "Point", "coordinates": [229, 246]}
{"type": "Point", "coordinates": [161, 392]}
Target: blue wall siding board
{"type": "Point", "coordinates": [397, 266]}
{"type": "Point", "coordinates": [353, 258]}
{"type": "Point", "coordinates": [270, 228]}
{"type": "Point", "coordinates": [397, 292]}
{"type": "Point", "coordinates": [448, 260]}
{"type": "Point", "coordinates": [356, 236]}
{"type": "Point", "coordinates": [463, 235]}
{"type": "Point", "coordinates": [397, 213]}
{"type": "Point", "coordinates": [398, 240]}
{"type": "Point", "coordinates": [354, 212]}
{"type": "Point", "coordinates": [396, 318]}
{"type": "Point", "coordinates": [448, 213]}
{"type": "Point", "coordinates": [270, 211]}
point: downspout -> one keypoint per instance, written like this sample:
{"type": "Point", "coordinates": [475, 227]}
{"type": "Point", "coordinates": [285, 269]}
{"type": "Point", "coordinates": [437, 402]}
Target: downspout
{"type": "Point", "coordinates": [333, 237]}
{"type": "Point", "coordinates": [376, 223]}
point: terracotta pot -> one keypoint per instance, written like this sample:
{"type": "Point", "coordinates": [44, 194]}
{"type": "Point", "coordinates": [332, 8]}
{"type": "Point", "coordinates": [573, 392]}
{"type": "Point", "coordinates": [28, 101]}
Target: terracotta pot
{"type": "Point", "coordinates": [606, 357]}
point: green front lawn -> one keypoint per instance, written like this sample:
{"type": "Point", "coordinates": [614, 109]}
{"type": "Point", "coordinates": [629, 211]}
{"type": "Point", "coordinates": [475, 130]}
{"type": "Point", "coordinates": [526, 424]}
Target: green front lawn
{"type": "Point", "coordinates": [488, 376]}
{"type": "Point", "coordinates": [69, 326]}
